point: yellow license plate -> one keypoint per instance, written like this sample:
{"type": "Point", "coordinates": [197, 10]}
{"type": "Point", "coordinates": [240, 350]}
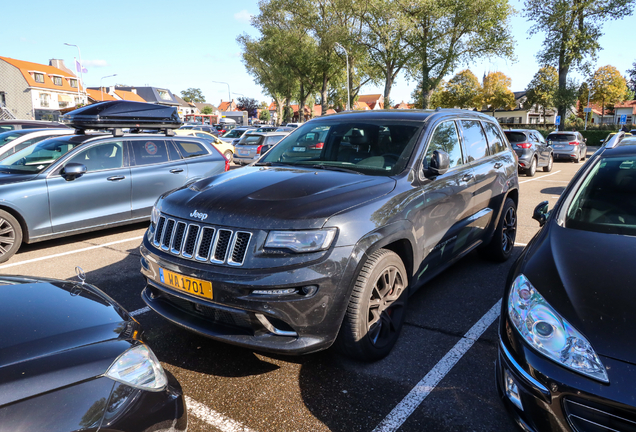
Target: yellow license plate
{"type": "Point", "coordinates": [190, 285]}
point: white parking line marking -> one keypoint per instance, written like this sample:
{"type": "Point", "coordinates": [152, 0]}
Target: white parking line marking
{"type": "Point", "coordinates": [409, 404]}
{"type": "Point", "coordinates": [539, 178]}
{"type": "Point", "coordinates": [140, 311]}
{"type": "Point", "coordinates": [521, 244]}
{"type": "Point", "coordinates": [214, 418]}
{"type": "Point", "coordinates": [69, 253]}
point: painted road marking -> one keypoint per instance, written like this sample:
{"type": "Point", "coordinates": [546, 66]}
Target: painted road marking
{"type": "Point", "coordinates": [539, 178]}
{"type": "Point", "coordinates": [214, 418]}
{"type": "Point", "coordinates": [69, 253]}
{"type": "Point", "coordinates": [409, 404]}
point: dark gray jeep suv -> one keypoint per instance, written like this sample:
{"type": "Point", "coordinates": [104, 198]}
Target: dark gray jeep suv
{"type": "Point", "coordinates": [324, 238]}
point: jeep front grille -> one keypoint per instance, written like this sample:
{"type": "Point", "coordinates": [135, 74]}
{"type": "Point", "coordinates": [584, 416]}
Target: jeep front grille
{"type": "Point", "coordinates": [202, 243]}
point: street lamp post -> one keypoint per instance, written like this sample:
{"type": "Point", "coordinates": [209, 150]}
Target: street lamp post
{"type": "Point", "coordinates": [101, 89]}
{"type": "Point", "coordinates": [347, 58]}
{"type": "Point", "coordinates": [228, 89]}
{"type": "Point", "coordinates": [81, 67]}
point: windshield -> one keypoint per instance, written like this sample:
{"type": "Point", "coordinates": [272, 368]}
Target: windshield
{"type": "Point", "coordinates": [562, 137]}
{"type": "Point", "coordinates": [7, 137]}
{"type": "Point", "coordinates": [379, 147]}
{"type": "Point", "coordinates": [36, 158]}
{"type": "Point", "coordinates": [234, 133]}
{"type": "Point", "coordinates": [606, 201]}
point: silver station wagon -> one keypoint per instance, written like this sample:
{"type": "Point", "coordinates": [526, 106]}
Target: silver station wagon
{"type": "Point", "coordinates": [83, 182]}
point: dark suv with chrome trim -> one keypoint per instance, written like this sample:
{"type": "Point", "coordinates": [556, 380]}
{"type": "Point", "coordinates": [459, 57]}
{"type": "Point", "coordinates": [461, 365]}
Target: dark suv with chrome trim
{"type": "Point", "coordinates": [302, 249]}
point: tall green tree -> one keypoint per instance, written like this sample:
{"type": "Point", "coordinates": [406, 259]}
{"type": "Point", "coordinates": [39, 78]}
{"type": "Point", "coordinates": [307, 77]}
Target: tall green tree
{"type": "Point", "coordinates": [384, 37]}
{"type": "Point", "coordinates": [608, 87]}
{"type": "Point", "coordinates": [464, 91]}
{"type": "Point", "coordinates": [497, 93]}
{"type": "Point", "coordinates": [572, 30]}
{"type": "Point", "coordinates": [631, 78]}
{"type": "Point", "coordinates": [193, 95]}
{"type": "Point", "coordinates": [446, 33]}
{"type": "Point", "coordinates": [543, 89]}
{"type": "Point", "coordinates": [583, 93]}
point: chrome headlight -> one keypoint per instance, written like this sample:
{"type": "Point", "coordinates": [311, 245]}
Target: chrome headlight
{"type": "Point", "coordinates": [138, 367]}
{"type": "Point", "coordinates": [154, 215]}
{"type": "Point", "coordinates": [301, 241]}
{"type": "Point", "coordinates": [549, 333]}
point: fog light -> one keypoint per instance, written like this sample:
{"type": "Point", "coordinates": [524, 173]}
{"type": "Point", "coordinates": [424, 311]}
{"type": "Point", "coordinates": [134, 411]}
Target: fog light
{"type": "Point", "coordinates": [512, 390]}
{"type": "Point", "coordinates": [310, 290]}
{"type": "Point", "coordinates": [286, 291]}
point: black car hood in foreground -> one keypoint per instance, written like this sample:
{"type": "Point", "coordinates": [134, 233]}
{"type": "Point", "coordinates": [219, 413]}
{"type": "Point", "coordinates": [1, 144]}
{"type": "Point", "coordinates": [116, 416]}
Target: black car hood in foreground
{"type": "Point", "coordinates": [6, 177]}
{"type": "Point", "coordinates": [51, 327]}
{"type": "Point", "coordinates": [590, 280]}
{"type": "Point", "coordinates": [275, 197]}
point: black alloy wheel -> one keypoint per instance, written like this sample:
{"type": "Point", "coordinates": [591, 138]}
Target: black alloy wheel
{"type": "Point", "coordinates": [530, 172]}
{"type": "Point", "coordinates": [10, 236]}
{"type": "Point", "coordinates": [502, 244]}
{"type": "Point", "coordinates": [377, 308]}
{"type": "Point", "coordinates": [548, 167]}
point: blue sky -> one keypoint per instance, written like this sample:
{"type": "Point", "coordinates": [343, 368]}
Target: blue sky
{"type": "Point", "coordinates": [177, 45]}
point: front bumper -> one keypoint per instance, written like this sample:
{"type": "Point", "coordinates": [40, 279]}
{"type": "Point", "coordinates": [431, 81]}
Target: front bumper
{"type": "Point", "coordinates": [299, 323]}
{"type": "Point", "coordinates": [554, 398]}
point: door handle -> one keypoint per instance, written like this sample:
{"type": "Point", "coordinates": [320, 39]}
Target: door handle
{"type": "Point", "coordinates": [116, 178]}
{"type": "Point", "coordinates": [498, 165]}
{"type": "Point", "coordinates": [176, 170]}
{"type": "Point", "coordinates": [467, 177]}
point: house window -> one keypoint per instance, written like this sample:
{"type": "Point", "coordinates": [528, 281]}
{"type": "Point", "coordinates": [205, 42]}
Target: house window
{"type": "Point", "coordinates": [57, 80]}
{"type": "Point", "coordinates": [3, 99]}
{"type": "Point", "coordinates": [73, 83]}
{"type": "Point", "coordinates": [163, 94]}
{"type": "Point", "coordinates": [77, 101]}
{"type": "Point", "coordinates": [38, 77]}
{"type": "Point", "coordinates": [44, 99]}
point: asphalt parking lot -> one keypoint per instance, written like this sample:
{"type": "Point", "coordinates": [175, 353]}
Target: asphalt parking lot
{"type": "Point", "coordinates": [439, 377]}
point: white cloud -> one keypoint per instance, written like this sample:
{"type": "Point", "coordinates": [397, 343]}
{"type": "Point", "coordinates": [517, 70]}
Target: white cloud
{"type": "Point", "coordinates": [243, 16]}
{"type": "Point", "coordinates": [95, 63]}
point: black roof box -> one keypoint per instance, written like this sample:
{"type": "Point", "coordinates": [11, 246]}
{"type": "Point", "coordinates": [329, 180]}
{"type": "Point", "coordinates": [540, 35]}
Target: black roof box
{"type": "Point", "coordinates": [123, 114]}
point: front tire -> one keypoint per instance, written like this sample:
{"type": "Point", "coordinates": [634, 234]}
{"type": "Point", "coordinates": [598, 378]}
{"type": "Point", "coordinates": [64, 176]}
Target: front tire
{"type": "Point", "coordinates": [10, 236]}
{"type": "Point", "coordinates": [376, 309]}
{"type": "Point", "coordinates": [548, 167]}
{"type": "Point", "coordinates": [503, 239]}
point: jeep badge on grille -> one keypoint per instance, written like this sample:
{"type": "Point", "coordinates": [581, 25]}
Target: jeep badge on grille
{"type": "Point", "coordinates": [196, 214]}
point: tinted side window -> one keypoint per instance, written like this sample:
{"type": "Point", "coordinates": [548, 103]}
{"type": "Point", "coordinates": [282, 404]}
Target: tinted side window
{"type": "Point", "coordinates": [445, 138]}
{"type": "Point", "coordinates": [109, 155]}
{"type": "Point", "coordinates": [147, 152]}
{"type": "Point", "coordinates": [273, 139]}
{"type": "Point", "coordinates": [191, 149]}
{"type": "Point", "coordinates": [474, 140]}
{"type": "Point", "coordinates": [495, 140]}
{"type": "Point", "coordinates": [172, 151]}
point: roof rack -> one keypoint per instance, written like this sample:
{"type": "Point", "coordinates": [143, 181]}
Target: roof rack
{"type": "Point", "coordinates": [115, 115]}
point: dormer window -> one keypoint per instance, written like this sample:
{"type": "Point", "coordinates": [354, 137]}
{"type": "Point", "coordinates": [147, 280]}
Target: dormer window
{"type": "Point", "coordinates": [163, 94]}
{"type": "Point", "coordinates": [38, 77]}
{"type": "Point", "coordinates": [57, 80]}
{"type": "Point", "coordinates": [73, 83]}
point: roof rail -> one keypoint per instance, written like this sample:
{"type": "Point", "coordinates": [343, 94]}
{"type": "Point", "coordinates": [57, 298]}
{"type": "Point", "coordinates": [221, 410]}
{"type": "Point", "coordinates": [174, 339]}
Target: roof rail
{"type": "Point", "coordinates": [613, 142]}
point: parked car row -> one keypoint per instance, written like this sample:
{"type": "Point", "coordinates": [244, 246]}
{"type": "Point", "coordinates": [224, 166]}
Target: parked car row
{"type": "Point", "coordinates": [320, 242]}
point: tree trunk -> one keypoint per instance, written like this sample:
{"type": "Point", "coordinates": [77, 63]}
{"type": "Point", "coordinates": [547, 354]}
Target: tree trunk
{"type": "Point", "coordinates": [301, 103]}
{"type": "Point", "coordinates": [563, 81]}
{"type": "Point", "coordinates": [279, 110]}
{"type": "Point", "coordinates": [323, 94]}
{"type": "Point", "coordinates": [388, 83]}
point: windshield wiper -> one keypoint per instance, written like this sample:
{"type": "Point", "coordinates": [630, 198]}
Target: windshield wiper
{"type": "Point", "coordinates": [335, 168]}
{"type": "Point", "coordinates": [271, 164]}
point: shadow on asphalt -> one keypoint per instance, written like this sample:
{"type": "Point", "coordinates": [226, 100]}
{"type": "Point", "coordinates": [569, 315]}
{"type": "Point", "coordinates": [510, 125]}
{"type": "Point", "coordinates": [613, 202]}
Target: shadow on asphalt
{"type": "Point", "coordinates": [558, 190]}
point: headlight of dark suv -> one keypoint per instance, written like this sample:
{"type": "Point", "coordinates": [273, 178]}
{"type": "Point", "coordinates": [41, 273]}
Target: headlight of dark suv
{"type": "Point", "coordinates": [301, 241]}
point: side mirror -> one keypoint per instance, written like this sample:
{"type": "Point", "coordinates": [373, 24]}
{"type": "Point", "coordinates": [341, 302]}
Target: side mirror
{"type": "Point", "coordinates": [602, 141]}
{"type": "Point", "coordinates": [541, 212]}
{"type": "Point", "coordinates": [71, 171]}
{"type": "Point", "coordinates": [439, 164]}
{"type": "Point", "coordinates": [585, 139]}
{"type": "Point", "coordinates": [549, 142]}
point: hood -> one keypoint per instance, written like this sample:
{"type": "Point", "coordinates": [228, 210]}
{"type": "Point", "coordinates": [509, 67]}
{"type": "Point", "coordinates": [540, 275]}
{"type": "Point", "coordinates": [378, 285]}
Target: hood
{"type": "Point", "coordinates": [590, 279]}
{"type": "Point", "coordinates": [275, 197]}
{"type": "Point", "coordinates": [7, 178]}
{"type": "Point", "coordinates": [55, 328]}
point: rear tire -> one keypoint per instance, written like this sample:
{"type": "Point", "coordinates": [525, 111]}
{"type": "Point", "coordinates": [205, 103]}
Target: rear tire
{"type": "Point", "coordinates": [10, 236]}
{"type": "Point", "coordinates": [228, 155]}
{"type": "Point", "coordinates": [548, 167]}
{"type": "Point", "coordinates": [530, 172]}
{"type": "Point", "coordinates": [583, 155]}
{"type": "Point", "coordinates": [376, 309]}
{"type": "Point", "coordinates": [503, 239]}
